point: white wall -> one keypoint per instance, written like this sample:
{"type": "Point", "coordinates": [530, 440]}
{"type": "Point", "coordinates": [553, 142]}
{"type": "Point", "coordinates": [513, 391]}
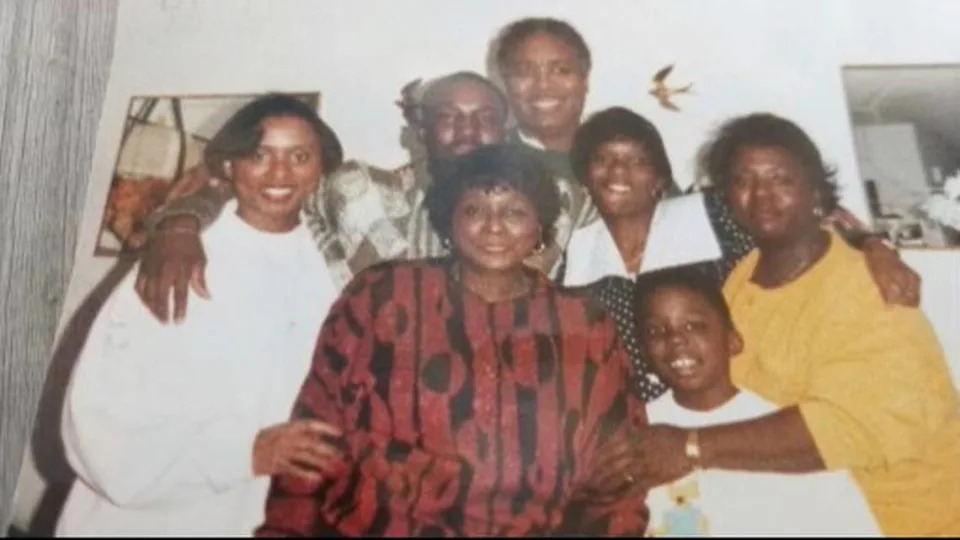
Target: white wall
{"type": "Point", "coordinates": [742, 55]}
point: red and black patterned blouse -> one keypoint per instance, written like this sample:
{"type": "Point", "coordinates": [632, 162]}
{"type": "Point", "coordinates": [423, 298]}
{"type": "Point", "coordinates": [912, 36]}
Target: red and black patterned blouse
{"type": "Point", "coordinates": [460, 418]}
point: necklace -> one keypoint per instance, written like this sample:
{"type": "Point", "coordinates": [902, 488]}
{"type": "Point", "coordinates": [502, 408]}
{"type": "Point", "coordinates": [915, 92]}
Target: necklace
{"type": "Point", "coordinates": [793, 275]}
{"type": "Point", "coordinates": [805, 264]}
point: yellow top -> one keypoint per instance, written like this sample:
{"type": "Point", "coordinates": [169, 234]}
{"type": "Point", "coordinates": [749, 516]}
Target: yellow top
{"type": "Point", "coordinates": [870, 380]}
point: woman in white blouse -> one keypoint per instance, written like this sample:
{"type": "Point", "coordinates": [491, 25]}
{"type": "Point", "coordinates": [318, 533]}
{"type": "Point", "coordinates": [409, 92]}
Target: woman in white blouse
{"type": "Point", "coordinates": [176, 429]}
{"type": "Point", "coordinates": [620, 158]}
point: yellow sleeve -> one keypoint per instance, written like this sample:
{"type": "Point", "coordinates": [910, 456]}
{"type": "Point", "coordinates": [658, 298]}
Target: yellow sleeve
{"type": "Point", "coordinates": [879, 388]}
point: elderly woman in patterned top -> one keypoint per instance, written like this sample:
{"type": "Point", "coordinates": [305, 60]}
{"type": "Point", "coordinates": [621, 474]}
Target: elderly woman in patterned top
{"type": "Point", "coordinates": [470, 390]}
{"type": "Point", "coordinates": [620, 157]}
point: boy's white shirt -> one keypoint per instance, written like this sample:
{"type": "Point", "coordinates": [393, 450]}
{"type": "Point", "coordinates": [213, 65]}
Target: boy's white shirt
{"type": "Point", "coordinates": [744, 503]}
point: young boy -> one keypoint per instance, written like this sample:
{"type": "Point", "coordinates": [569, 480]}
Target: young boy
{"type": "Point", "coordinates": [689, 338]}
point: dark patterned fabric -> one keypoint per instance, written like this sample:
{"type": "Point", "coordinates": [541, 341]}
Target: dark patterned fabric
{"type": "Point", "coordinates": [617, 293]}
{"type": "Point", "coordinates": [734, 240]}
{"type": "Point", "coordinates": [461, 418]}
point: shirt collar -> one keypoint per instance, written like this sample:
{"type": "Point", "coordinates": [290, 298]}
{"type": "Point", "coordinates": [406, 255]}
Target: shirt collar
{"type": "Point", "coordinates": [530, 141]}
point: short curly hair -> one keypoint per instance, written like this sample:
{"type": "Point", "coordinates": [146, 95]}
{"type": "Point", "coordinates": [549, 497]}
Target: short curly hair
{"type": "Point", "coordinates": [769, 130]}
{"type": "Point", "coordinates": [241, 134]}
{"type": "Point", "coordinates": [620, 123]}
{"type": "Point", "coordinates": [514, 34]}
{"type": "Point", "coordinates": [693, 278]}
{"type": "Point", "coordinates": [486, 168]}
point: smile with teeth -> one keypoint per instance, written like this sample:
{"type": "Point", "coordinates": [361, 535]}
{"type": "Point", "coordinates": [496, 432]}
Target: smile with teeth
{"type": "Point", "coordinates": [277, 193]}
{"type": "Point", "coordinates": [546, 104]}
{"type": "Point", "coordinates": [618, 188]}
{"type": "Point", "coordinates": [684, 365]}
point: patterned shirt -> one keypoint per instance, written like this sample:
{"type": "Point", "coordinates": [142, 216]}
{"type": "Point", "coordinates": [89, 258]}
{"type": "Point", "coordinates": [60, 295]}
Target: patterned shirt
{"type": "Point", "coordinates": [460, 417]}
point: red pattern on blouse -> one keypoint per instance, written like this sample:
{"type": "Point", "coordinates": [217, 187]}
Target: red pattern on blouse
{"type": "Point", "coordinates": [460, 418]}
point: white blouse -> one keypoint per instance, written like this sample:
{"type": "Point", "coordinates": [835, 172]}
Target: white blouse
{"type": "Point", "coordinates": [680, 234]}
{"type": "Point", "coordinates": [160, 420]}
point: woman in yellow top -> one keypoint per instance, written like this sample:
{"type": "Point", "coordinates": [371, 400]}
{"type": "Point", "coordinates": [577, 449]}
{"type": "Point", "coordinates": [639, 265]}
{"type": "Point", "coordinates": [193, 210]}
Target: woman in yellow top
{"type": "Point", "coordinates": [863, 386]}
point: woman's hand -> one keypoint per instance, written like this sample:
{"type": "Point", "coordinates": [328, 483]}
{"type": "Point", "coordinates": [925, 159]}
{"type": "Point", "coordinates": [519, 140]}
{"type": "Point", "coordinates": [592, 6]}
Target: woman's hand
{"type": "Point", "coordinates": [299, 448]}
{"type": "Point", "coordinates": [898, 283]}
{"type": "Point", "coordinates": [659, 456]}
{"type": "Point", "coordinates": [611, 472]}
{"type": "Point", "coordinates": [173, 260]}
{"type": "Point", "coordinates": [651, 457]}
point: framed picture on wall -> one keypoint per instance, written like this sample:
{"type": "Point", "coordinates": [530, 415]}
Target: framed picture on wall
{"type": "Point", "coordinates": [158, 157]}
{"type": "Point", "coordinates": [906, 125]}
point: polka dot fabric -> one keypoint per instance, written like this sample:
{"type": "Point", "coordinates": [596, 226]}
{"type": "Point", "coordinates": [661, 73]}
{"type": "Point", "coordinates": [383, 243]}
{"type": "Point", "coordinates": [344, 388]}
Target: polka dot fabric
{"type": "Point", "coordinates": [617, 294]}
{"type": "Point", "coordinates": [735, 243]}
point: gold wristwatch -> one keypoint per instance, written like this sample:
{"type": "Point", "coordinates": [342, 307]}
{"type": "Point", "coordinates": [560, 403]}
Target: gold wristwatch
{"type": "Point", "coordinates": [692, 448]}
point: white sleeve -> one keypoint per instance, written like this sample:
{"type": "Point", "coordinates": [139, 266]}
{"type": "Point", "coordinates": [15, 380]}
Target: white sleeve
{"type": "Point", "coordinates": [142, 422]}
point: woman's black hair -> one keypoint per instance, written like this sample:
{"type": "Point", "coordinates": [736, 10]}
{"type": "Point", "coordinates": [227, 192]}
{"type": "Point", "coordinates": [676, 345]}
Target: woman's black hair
{"type": "Point", "coordinates": [487, 168]}
{"type": "Point", "coordinates": [768, 130]}
{"type": "Point", "coordinates": [691, 278]}
{"type": "Point", "coordinates": [620, 123]}
{"type": "Point", "coordinates": [512, 36]}
{"type": "Point", "coordinates": [241, 134]}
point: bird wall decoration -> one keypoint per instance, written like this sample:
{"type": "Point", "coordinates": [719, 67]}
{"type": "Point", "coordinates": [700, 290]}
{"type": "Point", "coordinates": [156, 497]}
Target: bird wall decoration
{"type": "Point", "coordinates": [663, 93]}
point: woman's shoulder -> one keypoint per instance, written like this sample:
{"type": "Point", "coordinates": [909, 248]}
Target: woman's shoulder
{"type": "Point", "coordinates": [594, 301]}
{"type": "Point", "coordinates": [427, 268]}
{"type": "Point", "coordinates": [844, 269]}
{"type": "Point", "coordinates": [741, 272]}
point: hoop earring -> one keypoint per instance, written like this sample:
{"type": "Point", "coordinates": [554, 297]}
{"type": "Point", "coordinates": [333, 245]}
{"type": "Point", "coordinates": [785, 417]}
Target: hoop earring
{"type": "Point", "coordinates": [541, 244]}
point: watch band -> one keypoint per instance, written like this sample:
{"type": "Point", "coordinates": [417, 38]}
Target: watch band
{"type": "Point", "coordinates": [692, 448]}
